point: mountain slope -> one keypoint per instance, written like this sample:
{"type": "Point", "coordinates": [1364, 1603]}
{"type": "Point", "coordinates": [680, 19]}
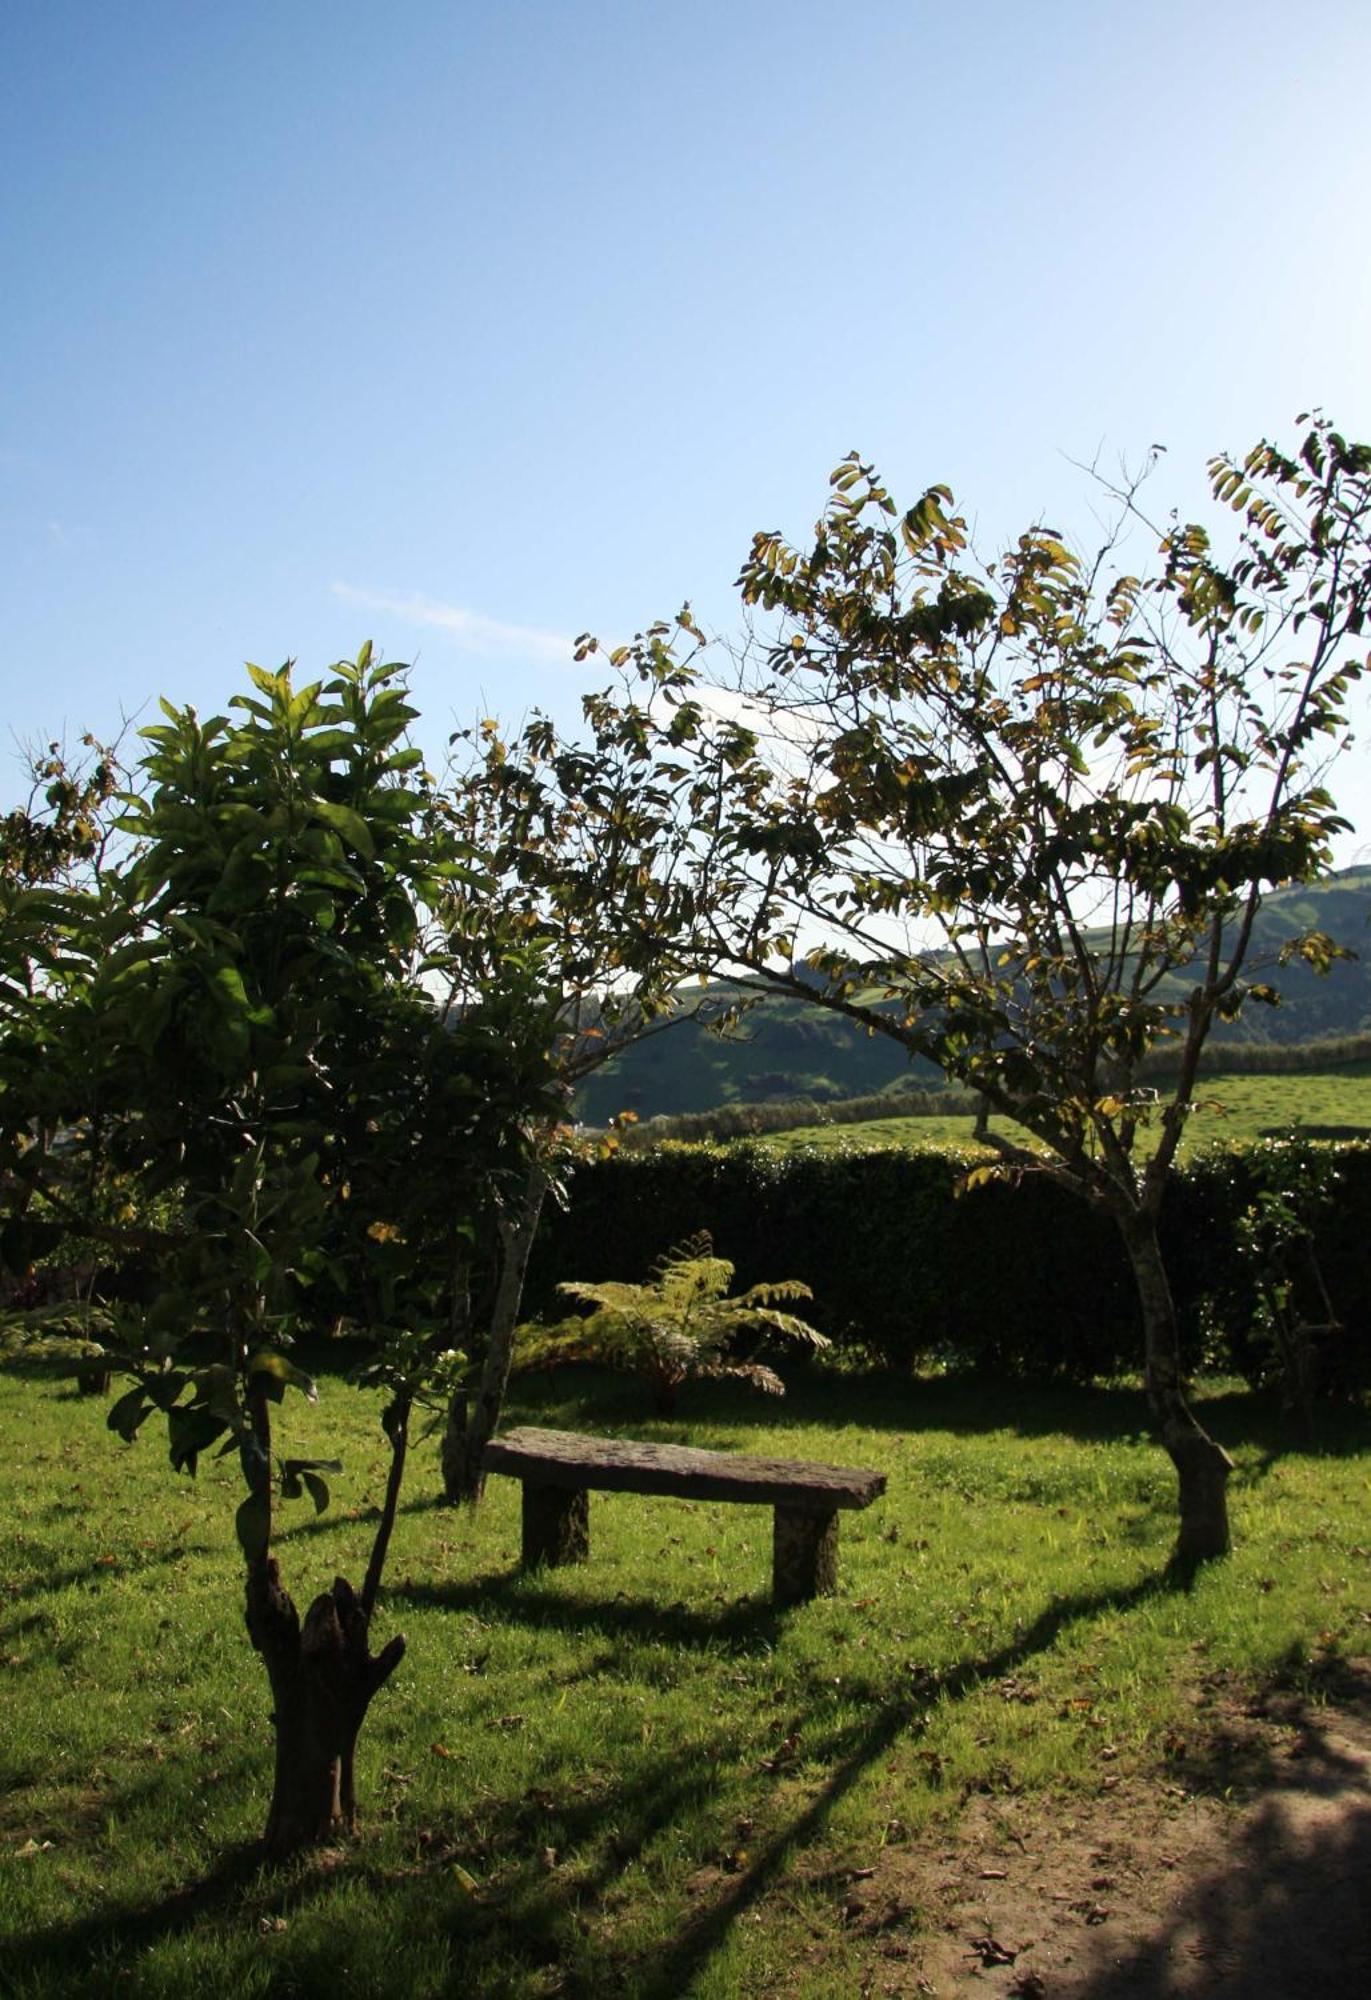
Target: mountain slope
{"type": "Point", "coordinates": [787, 1049]}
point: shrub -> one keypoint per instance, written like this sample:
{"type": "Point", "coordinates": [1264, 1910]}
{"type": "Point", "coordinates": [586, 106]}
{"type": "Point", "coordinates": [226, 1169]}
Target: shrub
{"type": "Point", "coordinates": [1017, 1278]}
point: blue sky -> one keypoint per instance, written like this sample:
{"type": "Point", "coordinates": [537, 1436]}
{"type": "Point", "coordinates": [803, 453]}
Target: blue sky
{"type": "Point", "coordinates": [469, 327]}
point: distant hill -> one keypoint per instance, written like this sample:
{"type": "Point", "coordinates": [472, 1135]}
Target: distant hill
{"type": "Point", "coordinates": [787, 1049]}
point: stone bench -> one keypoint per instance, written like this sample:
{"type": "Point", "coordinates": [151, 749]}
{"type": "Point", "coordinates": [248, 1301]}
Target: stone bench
{"type": "Point", "coordinates": [559, 1468]}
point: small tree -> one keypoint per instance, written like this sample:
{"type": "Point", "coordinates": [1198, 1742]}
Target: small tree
{"type": "Point", "coordinates": [255, 1040]}
{"type": "Point", "coordinates": [1021, 817]}
{"type": "Point", "coordinates": [1279, 1287]}
{"type": "Point", "coordinates": [585, 849]}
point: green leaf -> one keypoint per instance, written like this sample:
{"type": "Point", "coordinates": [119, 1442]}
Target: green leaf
{"type": "Point", "coordinates": [345, 821]}
{"type": "Point", "coordinates": [275, 1373]}
{"type": "Point", "coordinates": [268, 684]}
{"type": "Point", "coordinates": [190, 1430]}
{"type": "Point", "coordinates": [164, 1389]}
{"type": "Point", "coordinates": [129, 1412]}
{"type": "Point", "coordinates": [253, 1525]}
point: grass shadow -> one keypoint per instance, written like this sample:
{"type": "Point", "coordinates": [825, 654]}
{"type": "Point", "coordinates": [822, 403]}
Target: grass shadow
{"type": "Point", "coordinates": [744, 1624]}
{"type": "Point", "coordinates": [855, 1750]}
{"type": "Point", "coordinates": [113, 1936]}
{"type": "Point", "coordinates": [527, 1915]}
{"type": "Point", "coordinates": [893, 1400]}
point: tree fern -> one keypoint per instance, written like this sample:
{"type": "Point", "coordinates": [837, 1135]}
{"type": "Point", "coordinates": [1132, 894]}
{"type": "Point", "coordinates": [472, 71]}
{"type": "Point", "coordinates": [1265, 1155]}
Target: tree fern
{"type": "Point", "coordinates": [681, 1323]}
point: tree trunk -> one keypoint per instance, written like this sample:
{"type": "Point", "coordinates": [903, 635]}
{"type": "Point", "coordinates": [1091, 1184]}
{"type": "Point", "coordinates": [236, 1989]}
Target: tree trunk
{"type": "Point", "coordinates": [322, 1677]}
{"type": "Point", "coordinates": [1202, 1466]}
{"type": "Point", "coordinates": [472, 1421]}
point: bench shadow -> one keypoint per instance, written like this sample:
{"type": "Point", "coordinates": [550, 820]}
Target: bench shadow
{"type": "Point", "coordinates": [744, 1624]}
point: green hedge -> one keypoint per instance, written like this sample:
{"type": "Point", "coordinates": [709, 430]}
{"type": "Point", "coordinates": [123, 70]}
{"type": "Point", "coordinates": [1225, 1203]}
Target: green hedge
{"type": "Point", "coordinates": [1020, 1279]}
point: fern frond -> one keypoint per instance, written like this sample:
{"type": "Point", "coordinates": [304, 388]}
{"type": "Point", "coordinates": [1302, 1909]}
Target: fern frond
{"type": "Point", "coordinates": [763, 1319]}
{"type": "Point", "coordinates": [768, 1295]}
{"type": "Point", "coordinates": [695, 1281]}
{"type": "Point", "coordinates": [690, 1250]}
{"type": "Point", "coordinates": [681, 1323]}
{"type": "Point", "coordinates": [754, 1373]}
{"type": "Point", "coordinates": [611, 1296]}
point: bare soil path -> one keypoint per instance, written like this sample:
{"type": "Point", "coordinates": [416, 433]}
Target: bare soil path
{"type": "Point", "coordinates": [1247, 1877]}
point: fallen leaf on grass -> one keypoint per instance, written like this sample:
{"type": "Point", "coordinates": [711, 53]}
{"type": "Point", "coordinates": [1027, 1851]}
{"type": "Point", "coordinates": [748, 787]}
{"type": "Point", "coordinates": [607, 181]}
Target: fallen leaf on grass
{"type": "Point", "coordinates": [784, 1756]}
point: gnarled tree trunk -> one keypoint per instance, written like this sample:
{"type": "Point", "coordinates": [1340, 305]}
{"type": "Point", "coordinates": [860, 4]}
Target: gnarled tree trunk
{"type": "Point", "coordinates": [323, 1677]}
{"type": "Point", "coordinates": [471, 1420]}
{"type": "Point", "coordinates": [1202, 1466]}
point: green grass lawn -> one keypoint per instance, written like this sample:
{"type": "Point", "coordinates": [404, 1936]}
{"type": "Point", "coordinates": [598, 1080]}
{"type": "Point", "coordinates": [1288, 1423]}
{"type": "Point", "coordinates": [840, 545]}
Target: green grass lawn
{"type": "Point", "coordinates": [633, 1777]}
{"type": "Point", "coordinates": [1229, 1111]}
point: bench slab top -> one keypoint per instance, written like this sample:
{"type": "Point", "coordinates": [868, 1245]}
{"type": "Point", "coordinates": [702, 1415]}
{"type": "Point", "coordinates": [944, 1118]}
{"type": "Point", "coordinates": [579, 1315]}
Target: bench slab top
{"type": "Point", "coordinates": [566, 1458]}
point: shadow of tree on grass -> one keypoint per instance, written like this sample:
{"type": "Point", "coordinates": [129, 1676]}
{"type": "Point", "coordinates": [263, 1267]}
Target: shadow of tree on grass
{"type": "Point", "coordinates": [1289, 1912]}
{"type": "Point", "coordinates": [527, 1915]}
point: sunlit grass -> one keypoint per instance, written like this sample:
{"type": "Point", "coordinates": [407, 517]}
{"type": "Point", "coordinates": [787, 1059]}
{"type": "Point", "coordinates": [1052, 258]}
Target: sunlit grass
{"type": "Point", "coordinates": [1229, 1111]}
{"type": "Point", "coordinates": [597, 1779]}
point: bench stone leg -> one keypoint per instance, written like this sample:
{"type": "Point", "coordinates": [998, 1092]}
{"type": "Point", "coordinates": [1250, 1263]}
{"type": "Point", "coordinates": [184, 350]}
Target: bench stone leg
{"type": "Point", "coordinates": [805, 1555]}
{"type": "Point", "coordinates": [556, 1524]}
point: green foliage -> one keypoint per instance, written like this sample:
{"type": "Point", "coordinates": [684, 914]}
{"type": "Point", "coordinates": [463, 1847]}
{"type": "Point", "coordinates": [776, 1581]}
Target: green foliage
{"type": "Point", "coordinates": [1277, 1287]}
{"type": "Point", "coordinates": [681, 1324]}
{"type": "Point", "coordinates": [1019, 817]}
{"type": "Point", "coordinates": [909, 1265]}
{"type": "Point", "coordinates": [50, 849]}
{"type": "Point", "coordinates": [1084, 784]}
{"type": "Point", "coordinates": [250, 1034]}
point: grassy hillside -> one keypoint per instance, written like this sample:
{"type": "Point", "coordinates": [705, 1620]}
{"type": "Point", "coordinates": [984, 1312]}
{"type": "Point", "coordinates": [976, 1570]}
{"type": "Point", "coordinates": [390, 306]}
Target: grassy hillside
{"type": "Point", "coordinates": [1231, 1111]}
{"type": "Point", "coordinates": [787, 1049]}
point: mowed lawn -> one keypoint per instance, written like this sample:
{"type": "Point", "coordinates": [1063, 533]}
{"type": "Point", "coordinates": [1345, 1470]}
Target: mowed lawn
{"type": "Point", "coordinates": [1228, 1111]}
{"type": "Point", "coordinates": [632, 1777]}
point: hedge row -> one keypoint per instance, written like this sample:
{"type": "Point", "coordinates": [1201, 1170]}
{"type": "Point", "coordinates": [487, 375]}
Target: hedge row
{"type": "Point", "coordinates": [1021, 1279]}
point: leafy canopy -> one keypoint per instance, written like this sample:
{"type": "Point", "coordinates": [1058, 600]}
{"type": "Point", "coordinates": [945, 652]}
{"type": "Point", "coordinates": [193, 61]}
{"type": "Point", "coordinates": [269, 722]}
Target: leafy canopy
{"type": "Point", "coordinates": [1020, 815]}
{"type": "Point", "coordinates": [257, 1042]}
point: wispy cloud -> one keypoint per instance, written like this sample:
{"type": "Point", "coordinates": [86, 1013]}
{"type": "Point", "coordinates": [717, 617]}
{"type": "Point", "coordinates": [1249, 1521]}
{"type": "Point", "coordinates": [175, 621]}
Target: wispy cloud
{"type": "Point", "coordinates": [491, 638]}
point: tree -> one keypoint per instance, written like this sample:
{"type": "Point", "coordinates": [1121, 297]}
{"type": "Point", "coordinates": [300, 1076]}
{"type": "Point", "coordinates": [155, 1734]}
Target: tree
{"type": "Point", "coordinates": [585, 847]}
{"type": "Point", "coordinates": [1020, 817]}
{"type": "Point", "coordinates": [50, 847]}
{"type": "Point", "coordinates": [255, 1043]}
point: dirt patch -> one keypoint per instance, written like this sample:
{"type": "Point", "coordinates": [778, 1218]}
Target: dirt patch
{"type": "Point", "coordinates": [1246, 1873]}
